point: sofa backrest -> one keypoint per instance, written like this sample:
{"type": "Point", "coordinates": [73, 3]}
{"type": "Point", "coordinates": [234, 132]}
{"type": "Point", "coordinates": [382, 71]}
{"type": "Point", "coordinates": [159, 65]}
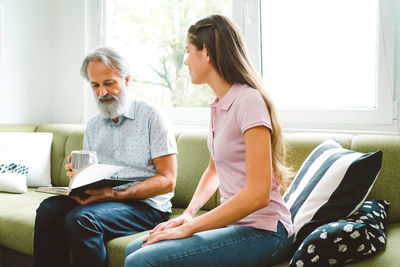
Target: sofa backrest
{"type": "Point", "coordinates": [66, 137]}
{"type": "Point", "coordinates": [193, 158]}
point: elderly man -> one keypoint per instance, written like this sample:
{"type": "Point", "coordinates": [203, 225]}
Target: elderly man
{"type": "Point", "coordinates": [126, 132]}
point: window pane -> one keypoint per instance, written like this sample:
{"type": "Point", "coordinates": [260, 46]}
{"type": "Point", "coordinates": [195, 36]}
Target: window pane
{"type": "Point", "coordinates": [319, 53]}
{"type": "Point", "coordinates": [152, 34]}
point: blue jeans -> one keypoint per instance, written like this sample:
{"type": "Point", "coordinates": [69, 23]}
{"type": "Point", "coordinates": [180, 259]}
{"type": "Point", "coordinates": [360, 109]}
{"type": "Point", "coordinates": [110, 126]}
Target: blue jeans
{"type": "Point", "coordinates": [228, 246]}
{"type": "Point", "coordinates": [63, 225]}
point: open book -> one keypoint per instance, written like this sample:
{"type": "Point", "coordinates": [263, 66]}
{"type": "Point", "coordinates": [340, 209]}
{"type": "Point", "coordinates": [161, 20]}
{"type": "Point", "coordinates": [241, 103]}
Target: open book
{"type": "Point", "coordinates": [89, 177]}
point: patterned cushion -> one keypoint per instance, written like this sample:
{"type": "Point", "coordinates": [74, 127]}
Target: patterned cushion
{"type": "Point", "coordinates": [13, 178]}
{"type": "Point", "coordinates": [336, 243]}
{"type": "Point", "coordinates": [330, 185]}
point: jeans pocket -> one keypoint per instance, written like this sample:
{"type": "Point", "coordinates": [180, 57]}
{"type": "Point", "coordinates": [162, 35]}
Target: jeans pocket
{"type": "Point", "coordinates": [278, 240]}
{"type": "Point", "coordinates": [269, 235]}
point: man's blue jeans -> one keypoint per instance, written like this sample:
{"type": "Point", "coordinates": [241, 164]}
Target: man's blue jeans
{"type": "Point", "coordinates": [229, 246]}
{"type": "Point", "coordinates": [62, 224]}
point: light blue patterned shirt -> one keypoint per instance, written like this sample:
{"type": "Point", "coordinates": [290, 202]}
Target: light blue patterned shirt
{"type": "Point", "coordinates": [141, 134]}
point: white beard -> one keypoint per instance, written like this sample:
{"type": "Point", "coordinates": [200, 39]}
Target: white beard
{"type": "Point", "coordinates": [115, 108]}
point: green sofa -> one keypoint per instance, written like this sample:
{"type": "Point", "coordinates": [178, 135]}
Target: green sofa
{"type": "Point", "coordinates": [17, 211]}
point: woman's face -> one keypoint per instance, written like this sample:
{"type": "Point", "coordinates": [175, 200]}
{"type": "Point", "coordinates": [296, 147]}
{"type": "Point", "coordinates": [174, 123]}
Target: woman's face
{"type": "Point", "coordinates": [198, 63]}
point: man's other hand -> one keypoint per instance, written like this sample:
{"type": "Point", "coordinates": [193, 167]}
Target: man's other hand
{"type": "Point", "coordinates": [96, 195]}
{"type": "Point", "coordinates": [70, 173]}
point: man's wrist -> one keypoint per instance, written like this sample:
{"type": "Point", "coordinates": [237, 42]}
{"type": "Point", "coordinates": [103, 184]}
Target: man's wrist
{"type": "Point", "coordinates": [116, 195]}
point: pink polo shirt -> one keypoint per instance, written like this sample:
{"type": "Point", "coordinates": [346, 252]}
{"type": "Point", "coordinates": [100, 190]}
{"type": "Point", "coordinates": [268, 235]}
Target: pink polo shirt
{"type": "Point", "coordinates": [239, 110]}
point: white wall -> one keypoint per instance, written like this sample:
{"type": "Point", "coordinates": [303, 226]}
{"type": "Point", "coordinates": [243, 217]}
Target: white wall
{"type": "Point", "coordinates": [43, 47]}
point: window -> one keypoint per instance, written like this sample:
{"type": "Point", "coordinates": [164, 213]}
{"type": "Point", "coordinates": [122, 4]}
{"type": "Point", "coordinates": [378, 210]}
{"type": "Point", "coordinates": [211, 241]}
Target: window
{"type": "Point", "coordinates": [315, 54]}
{"type": "Point", "coordinates": [152, 35]}
{"type": "Point", "coordinates": [329, 64]}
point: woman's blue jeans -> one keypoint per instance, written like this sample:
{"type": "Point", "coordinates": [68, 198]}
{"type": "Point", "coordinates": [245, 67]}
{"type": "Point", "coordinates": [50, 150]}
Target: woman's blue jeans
{"type": "Point", "coordinates": [63, 225]}
{"type": "Point", "coordinates": [228, 246]}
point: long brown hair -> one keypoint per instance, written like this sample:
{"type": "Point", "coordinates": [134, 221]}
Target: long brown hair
{"type": "Point", "coordinates": [225, 46]}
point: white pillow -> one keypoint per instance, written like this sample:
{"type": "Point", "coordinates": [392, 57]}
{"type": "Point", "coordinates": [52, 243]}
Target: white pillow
{"type": "Point", "coordinates": [30, 149]}
{"type": "Point", "coordinates": [13, 178]}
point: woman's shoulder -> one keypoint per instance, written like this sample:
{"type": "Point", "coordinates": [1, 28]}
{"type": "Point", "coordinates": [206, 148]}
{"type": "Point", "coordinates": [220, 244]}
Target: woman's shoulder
{"type": "Point", "coordinates": [248, 95]}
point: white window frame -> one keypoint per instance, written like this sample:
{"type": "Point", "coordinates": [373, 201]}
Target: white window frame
{"type": "Point", "coordinates": [97, 14]}
{"type": "Point", "coordinates": [1, 34]}
{"type": "Point", "coordinates": [246, 13]}
{"type": "Point", "coordinates": [383, 118]}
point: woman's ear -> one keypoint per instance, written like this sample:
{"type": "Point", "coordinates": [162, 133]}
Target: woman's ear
{"type": "Point", "coordinates": [205, 53]}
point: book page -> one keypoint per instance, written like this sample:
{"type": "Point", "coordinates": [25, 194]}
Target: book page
{"type": "Point", "coordinates": [93, 173]}
{"type": "Point", "coordinates": [54, 190]}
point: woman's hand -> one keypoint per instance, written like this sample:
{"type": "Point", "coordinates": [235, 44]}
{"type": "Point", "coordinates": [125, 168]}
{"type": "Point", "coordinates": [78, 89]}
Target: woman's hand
{"type": "Point", "coordinates": [178, 232]}
{"type": "Point", "coordinates": [181, 220]}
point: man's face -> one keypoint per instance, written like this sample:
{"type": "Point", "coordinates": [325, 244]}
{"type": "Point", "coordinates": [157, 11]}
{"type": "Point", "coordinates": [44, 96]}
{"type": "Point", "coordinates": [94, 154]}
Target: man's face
{"type": "Point", "coordinates": [109, 89]}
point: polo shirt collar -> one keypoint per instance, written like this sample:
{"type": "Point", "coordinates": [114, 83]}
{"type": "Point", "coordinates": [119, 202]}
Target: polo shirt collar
{"type": "Point", "coordinates": [129, 108]}
{"type": "Point", "coordinates": [226, 102]}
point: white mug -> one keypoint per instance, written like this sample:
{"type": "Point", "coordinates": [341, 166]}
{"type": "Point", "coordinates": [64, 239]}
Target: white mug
{"type": "Point", "coordinates": [81, 158]}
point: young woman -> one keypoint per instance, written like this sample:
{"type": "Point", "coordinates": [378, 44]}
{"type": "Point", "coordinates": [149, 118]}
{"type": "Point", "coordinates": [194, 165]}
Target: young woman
{"type": "Point", "coordinates": [252, 226]}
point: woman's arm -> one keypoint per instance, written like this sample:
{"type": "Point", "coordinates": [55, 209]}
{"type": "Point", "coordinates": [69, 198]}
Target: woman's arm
{"type": "Point", "coordinates": [205, 189]}
{"type": "Point", "coordinates": [254, 196]}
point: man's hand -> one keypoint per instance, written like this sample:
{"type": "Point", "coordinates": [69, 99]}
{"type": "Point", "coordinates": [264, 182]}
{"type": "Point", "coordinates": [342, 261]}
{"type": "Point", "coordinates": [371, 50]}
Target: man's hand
{"type": "Point", "coordinates": [70, 173]}
{"type": "Point", "coordinates": [96, 195]}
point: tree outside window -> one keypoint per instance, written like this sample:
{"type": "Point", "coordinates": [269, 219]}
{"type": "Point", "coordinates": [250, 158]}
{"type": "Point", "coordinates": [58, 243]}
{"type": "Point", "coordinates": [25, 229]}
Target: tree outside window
{"type": "Point", "coordinates": [152, 34]}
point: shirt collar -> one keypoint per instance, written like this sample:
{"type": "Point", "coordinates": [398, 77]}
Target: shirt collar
{"type": "Point", "coordinates": [226, 102]}
{"type": "Point", "coordinates": [129, 108]}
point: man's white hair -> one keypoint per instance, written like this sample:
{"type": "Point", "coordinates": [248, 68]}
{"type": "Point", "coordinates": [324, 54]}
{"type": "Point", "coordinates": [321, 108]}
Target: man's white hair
{"type": "Point", "coordinates": [111, 58]}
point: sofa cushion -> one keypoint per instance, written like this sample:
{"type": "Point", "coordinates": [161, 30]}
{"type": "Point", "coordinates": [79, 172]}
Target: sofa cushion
{"type": "Point", "coordinates": [361, 234]}
{"type": "Point", "coordinates": [330, 185]}
{"type": "Point", "coordinates": [17, 217]}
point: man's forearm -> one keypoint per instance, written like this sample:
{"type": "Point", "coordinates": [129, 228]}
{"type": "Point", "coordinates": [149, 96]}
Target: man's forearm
{"type": "Point", "coordinates": [154, 186]}
{"type": "Point", "coordinates": [163, 182]}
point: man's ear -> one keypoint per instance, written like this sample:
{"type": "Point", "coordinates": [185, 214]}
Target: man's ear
{"type": "Point", "coordinates": [127, 80]}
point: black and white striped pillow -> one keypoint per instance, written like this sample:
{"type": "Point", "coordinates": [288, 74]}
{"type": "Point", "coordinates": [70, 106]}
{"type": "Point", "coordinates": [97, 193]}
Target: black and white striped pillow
{"type": "Point", "coordinates": [331, 184]}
